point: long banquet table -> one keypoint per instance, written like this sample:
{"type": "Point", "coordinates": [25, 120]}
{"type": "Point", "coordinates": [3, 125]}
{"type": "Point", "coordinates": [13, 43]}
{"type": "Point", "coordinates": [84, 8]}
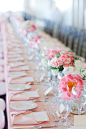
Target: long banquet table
{"type": "Point", "coordinates": [10, 37]}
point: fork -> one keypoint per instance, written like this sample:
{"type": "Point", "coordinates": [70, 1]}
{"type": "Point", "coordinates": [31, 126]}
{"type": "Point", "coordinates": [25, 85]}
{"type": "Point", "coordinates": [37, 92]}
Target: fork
{"type": "Point", "coordinates": [55, 119]}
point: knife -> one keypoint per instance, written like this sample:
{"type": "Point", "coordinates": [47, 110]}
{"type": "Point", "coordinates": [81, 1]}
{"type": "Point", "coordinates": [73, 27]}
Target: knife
{"type": "Point", "coordinates": [40, 100]}
{"type": "Point", "coordinates": [23, 127]}
{"type": "Point", "coordinates": [34, 127]}
{"type": "Point", "coordinates": [47, 126]}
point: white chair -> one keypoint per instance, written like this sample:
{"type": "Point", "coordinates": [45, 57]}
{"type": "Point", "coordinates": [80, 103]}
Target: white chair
{"type": "Point", "coordinates": [2, 88]}
{"type": "Point", "coordinates": [2, 119]}
{"type": "Point", "coordinates": [2, 77]}
{"type": "Point", "coordinates": [2, 104]}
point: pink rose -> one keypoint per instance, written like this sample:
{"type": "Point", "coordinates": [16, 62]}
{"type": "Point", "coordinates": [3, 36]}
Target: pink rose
{"type": "Point", "coordinates": [53, 62]}
{"type": "Point", "coordinates": [51, 53]}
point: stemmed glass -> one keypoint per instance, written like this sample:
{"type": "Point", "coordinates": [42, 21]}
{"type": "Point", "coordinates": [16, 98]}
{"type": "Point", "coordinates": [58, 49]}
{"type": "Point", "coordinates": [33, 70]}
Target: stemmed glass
{"type": "Point", "coordinates": [46, 75]}
{"type": "Point", "coordinates": [64, 108]}
{"type": "Point", "coordinates": [54, 84]}
{"type": "Point", "coordinates": [79, 104]}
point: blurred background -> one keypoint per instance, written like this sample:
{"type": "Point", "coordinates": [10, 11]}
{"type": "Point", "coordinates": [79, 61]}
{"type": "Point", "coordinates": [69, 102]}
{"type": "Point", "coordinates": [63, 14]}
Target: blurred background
{"type": "Point", "coordinates": [62, 19]}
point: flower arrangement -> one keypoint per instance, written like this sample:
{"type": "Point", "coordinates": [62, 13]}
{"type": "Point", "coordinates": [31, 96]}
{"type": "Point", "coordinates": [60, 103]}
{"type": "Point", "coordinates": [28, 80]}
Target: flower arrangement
{"type": "Point", "coordinates": [35, 44]}
{"type": "Point", "coordinates": [68, 83]}
{"type": "Point", "coordinates": [66, 62]}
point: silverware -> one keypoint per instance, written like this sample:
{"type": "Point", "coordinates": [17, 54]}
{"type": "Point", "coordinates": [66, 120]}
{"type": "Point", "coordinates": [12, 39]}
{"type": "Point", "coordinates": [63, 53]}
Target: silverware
{"type": "Point", "coordinates": [33, 127]}
{"type": "Point", "coordinates": [44, 126]}
{"type": "Point", "coordinates": [23, 127]}
{"type": "Point", "coordinates": [55, 119]}
{"type": "Point", "coordinates": [40, 100]}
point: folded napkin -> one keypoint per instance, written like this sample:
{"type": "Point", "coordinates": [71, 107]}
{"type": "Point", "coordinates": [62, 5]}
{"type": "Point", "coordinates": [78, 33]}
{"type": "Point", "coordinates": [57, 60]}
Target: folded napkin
{"type": "Point", "coordinates": [21, 80]}
{"type": "Point", "coordinates": [23, 95]}
{"type": "Point", "coordinates": [28, 118]}
{"type": "Point", "coordinates": [16, 64]}
{"type": "Point", "coordinates": [16, 59]}
{"type": "Point", "coordinates": [14, 56]}
{"type": "Point", "coordinates": [24, 68]}
{"type": "Point", "coordinates": [13, 52]}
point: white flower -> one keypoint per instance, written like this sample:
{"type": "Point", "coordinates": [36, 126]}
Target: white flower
{"type": "Point", "coordinates": [78, 65]}
{"type": "Point", "coordinates": [68, 70]}
{"type": "Point", "coordinates": [54, 72]}
{"type": "Point", "coordinates": [44, 62]}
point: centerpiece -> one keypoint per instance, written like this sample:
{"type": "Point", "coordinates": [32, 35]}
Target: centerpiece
{"type": "Point", "coordinates": [70, 92]}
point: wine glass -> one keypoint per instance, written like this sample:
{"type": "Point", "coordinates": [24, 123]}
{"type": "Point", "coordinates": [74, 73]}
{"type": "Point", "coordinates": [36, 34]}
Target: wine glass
{"type": "Point", "coordinates": [78, 105]}
{"type": "Point", "coordinates": [64, 108]}
{"type": "Point", "coordinates": [54, 90]}
{"type": "Point", "coordinates": [46, 75]}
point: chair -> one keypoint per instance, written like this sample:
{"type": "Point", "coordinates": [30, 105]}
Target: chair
{"type": "Point", "coordinates": [2, 119]}
{"type": "Point", "coordinates": [2, 104]}
{"type": "Point", "coordinates": [80, 45]}
{"type": "Point", "coordinates": [66, 35]}
{"type": "Point", "coordinates": [83, 52]}
{"type": "Point", "coordinates": [76, 43]}
{"type": "Point", "coordinates": [3, 90]}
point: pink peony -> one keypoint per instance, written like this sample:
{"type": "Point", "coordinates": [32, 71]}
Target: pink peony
{"type": "Point", "coordinates": [67, 83]}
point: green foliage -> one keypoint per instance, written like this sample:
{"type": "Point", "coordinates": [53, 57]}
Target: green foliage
{"type": "Point", "coordinates": [77, 58]}
{"type": "Point", "coordinates": [53, 68]}
{"type": "Point", "coordinates": [84, 77]}
{"type": "Point", "coordinates": [60, 68]}
{"type": "Point", "coordinates": [57, 55]}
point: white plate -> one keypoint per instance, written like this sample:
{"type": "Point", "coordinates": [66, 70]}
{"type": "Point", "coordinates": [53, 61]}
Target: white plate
{"type": "Point", "coordinates": [16, 74]}
{"type": "Point", "coordinates": [23, 105]}
{"type": "Point", "coordinates": [16, 64]}
{"type": "Point", "coordinates": [19, 86]}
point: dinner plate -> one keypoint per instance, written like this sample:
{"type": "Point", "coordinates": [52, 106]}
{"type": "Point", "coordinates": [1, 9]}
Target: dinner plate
{"type": "Point", "coordinates": [16, 74]}
{"type": "Point", "coordinates": [16, 64]}
{"type": "Point", "coordinates": [23, 105]}
{"type": "Point", "coordinates": [19, 86]}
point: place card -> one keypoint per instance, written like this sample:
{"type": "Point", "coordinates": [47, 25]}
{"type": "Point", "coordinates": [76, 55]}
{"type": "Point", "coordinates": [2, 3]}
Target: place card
{"type": "Point", "coordinates": [48, 90]}
{"type": "Point", "coordinates": [79, 120]}
{"type": "Point", "coordinates": [79, 127]}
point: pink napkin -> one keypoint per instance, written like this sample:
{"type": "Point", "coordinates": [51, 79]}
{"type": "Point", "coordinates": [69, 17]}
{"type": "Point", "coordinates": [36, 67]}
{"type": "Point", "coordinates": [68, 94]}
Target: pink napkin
{"type": "Point", "coordinates": [12, 53]}
{"type": "Point", "coordinates": [28, 118]}
{"type": "Point", "coordinates": [23, 95]}
{"type": "Point", "coordinates": [21, 80]}
{"type": "Point", "coordinates": [16, 59]}
{"type": "Point", "coordinates": [20, 68]}
{"type": "Point", "coordinates": [22, 119]}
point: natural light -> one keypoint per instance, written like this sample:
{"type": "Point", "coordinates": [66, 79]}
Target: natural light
{"type": "Point", "coordinates": [11, 5]}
